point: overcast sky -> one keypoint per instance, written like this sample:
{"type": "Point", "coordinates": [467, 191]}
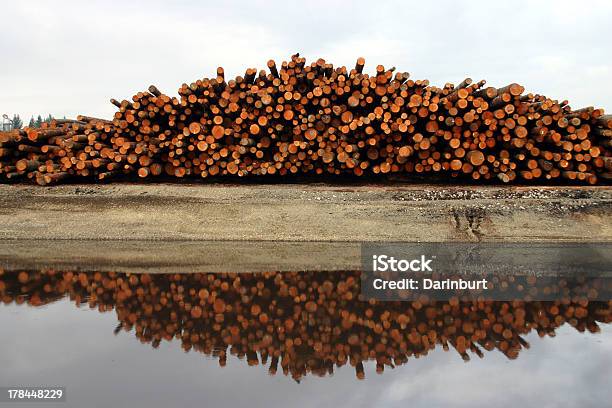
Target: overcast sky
{"type": "Point", "coordinates": [70, 57]}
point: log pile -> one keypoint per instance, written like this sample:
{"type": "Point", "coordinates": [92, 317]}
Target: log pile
{"type": "Point", "coordinates": [301, 322]}
{"type": "Point", "coordinates": [317, 119]}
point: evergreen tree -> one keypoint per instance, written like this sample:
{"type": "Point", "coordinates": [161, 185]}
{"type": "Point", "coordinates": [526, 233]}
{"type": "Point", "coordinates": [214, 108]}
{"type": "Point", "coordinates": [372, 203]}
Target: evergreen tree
{"type": "Point", "coordinates": [17, 122]}
{"type": "Point", "coordinates": [32, 124]}
{"type": "Point", "coordinates": [49, 119]}
{"type": "Point", "coordinates": [39, 121]}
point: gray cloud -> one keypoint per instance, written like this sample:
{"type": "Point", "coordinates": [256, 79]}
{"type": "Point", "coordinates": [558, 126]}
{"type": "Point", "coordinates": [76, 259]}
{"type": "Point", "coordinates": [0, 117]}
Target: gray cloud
{"type": "Point", "coordinates": [69, 57]}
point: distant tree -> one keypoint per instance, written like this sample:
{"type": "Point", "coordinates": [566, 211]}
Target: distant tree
{"type": "Point", "coordinates": [39, 121]}
{"type": "Point", "coordinates": [32, 124]}
{"type": "Point", "coordinates": [49, 118]}
{"type": "Point", "coordinates": [17, 122]}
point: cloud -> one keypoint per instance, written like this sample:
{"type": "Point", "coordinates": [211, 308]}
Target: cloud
{"type": "Point", "coordinates": [69, 57]}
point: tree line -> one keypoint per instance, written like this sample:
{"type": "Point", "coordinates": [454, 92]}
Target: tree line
{"type": "Point", "coordinates": [17, 123]}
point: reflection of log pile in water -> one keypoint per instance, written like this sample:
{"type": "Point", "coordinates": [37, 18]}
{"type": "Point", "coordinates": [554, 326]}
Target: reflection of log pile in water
{"type": "Point", "coordinates": [308, 322]}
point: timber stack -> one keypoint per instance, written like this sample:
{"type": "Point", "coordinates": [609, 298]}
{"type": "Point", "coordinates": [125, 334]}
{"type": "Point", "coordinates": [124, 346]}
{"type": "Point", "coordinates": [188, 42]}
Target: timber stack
{"type": "Point", "coordinates": [315, 120]}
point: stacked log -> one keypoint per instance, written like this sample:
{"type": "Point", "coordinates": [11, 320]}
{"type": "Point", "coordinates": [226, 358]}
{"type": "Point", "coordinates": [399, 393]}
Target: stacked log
{"type": "Point", "coordinates": [317, 119]}
{"type": "Point", "coordinates": [62, 150]}
{"type": "Point", "coordinates": [300, 322]}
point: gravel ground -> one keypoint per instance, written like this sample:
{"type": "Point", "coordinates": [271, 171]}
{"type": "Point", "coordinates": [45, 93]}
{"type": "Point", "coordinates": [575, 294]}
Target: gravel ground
{"type": "Point", "coordinates": [169, 227]}
{"type": "Point", "coordinates": [314, 212]}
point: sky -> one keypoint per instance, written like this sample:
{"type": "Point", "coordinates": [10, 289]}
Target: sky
{"type": "Point", "coordinates": [69, 57]}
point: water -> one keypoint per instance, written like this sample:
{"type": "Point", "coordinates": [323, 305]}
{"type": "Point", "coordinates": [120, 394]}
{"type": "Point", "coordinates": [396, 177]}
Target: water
{"type": "Point", "coordinates": [140, 341]}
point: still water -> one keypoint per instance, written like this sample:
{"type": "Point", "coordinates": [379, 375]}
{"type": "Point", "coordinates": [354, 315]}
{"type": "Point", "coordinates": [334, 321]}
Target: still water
{"type": "Point", "coordinates": [299, 339]}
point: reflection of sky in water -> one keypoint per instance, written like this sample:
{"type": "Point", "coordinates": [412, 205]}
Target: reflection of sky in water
{"type": "Point", "coordinates": [60, 344]}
